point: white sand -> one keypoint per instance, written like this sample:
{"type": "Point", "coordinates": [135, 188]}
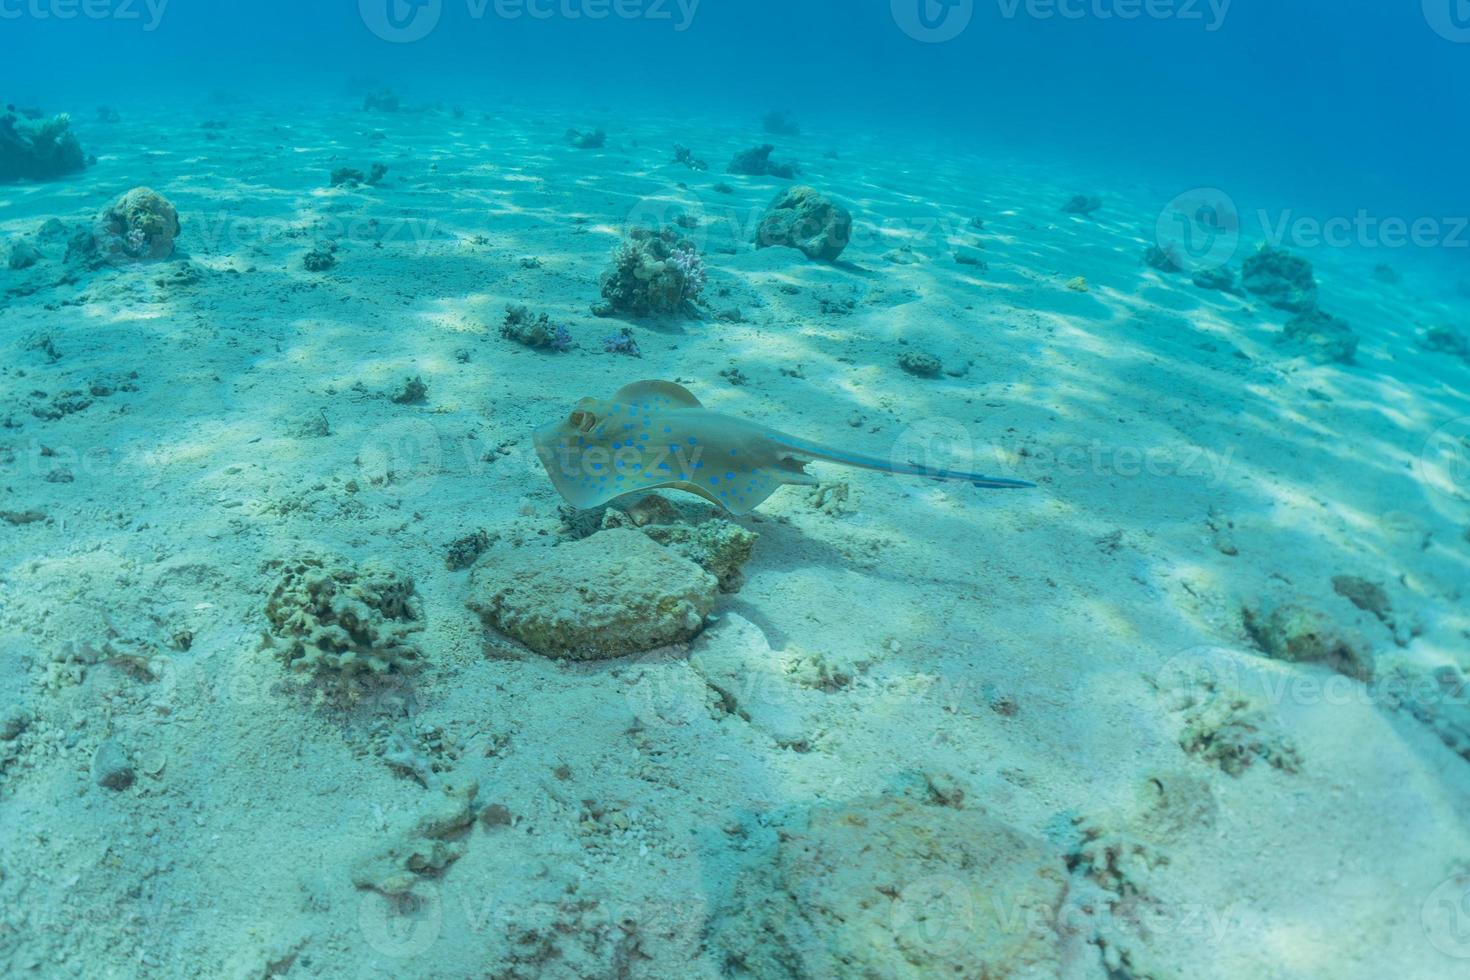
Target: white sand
{"type": "Point", "coordinates": [236, 855]}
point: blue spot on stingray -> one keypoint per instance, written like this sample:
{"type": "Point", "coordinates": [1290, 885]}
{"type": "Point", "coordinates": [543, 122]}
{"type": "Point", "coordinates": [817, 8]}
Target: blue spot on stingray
{"type": "Point", "coordinates": [724, 493]}
{"type": "Point", "coordinates": [699, 465]}
{"type": "Point", "coordinates": [668, 428]}
{"type": "Point", "coordinates": [734, 452]}
{"type": "Point", "coordinates": [597, 466]}
{"type": "Point", "coordinates": [729, 476]}
{"type": "Point", "coordinates": [627, 425]}
{"type": "Point", "coordinates": [714, 481]}
{"type": "Point", "coordinates": [664, 466]}
{"type": "Point", "coordinates": [673, 449]}
{"type": "Point", "coordinates": [693, 441]}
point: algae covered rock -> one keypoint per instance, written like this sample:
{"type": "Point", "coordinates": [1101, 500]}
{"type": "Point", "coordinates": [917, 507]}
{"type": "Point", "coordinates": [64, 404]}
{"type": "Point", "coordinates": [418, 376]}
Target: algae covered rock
{"type": "Point", "coordinates": [1300, 633]}
{"type": "Point", "coordinates": [609, 595]}
{"type": "Point", "coordinates": [37, 148]}
{"type": "Point", "coordinates": [1221, 278]}
{"type": "Point", "coordinates": [1281, 279]}
{"type": "Point", "coordinates": [694, 530]}
{"type": "Point", "coordinates": [329, 617]}
{"type": "Point", "coordinates": [1321, 337]}
{"type": "Point", "coordinates": [757, 162]}
{"type": "Point", "coordinates": [718, 546]}
{"type": "Point", "coordinates": [23, 255]}
{"type": "Point", "coordinates": [802, 218]}
{"type": "Point", "coordinates": [898, 888]}
{"type": "Point", "coordinates": [1446, 340]}
{"type": "Point", "coordinates": [921, 364]}
{"type": "Point", "coordinates": [139, 226]}
{"type": "Point", "coordinates": [1082, 204]}
{"type": "Point", "coordinates": [534, 331]}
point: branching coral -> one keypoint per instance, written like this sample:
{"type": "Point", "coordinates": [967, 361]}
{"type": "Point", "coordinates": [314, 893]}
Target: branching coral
{"type": "Point", "coordinates": [653, 272]}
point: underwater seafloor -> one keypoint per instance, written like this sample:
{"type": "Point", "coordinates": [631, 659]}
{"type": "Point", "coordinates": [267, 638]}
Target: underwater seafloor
{"type": "Point", "coordinates": [1191, 708]}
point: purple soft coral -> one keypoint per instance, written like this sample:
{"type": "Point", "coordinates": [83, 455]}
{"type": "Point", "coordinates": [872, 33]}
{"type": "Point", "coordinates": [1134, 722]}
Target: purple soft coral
{"type": "Point", "coordinates": [687, 260]}
{"type": "Point", "coordinates": [622, 342]}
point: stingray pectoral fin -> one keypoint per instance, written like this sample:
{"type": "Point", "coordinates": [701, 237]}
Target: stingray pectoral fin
{"type": "Point", "coordinates": [567, 468]}
{"type": "Point", "coordinates": [693, 488]}
{"type": "Point", "coordinates": [645, 392]}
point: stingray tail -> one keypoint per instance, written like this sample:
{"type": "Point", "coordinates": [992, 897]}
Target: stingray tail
{"type": "Point", "coordinates": [811, 450]}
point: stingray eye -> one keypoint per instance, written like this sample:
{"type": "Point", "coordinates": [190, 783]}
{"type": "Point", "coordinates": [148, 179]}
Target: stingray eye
{"type": "Point", "coordinates": [584, 422]}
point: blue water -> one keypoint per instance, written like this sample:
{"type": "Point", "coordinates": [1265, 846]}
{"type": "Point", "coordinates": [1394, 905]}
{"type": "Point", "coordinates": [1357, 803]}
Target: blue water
{"type": "Point", "coordinates": [1330, 105]}
{"type": "Point", "coordinates": [322, 373]}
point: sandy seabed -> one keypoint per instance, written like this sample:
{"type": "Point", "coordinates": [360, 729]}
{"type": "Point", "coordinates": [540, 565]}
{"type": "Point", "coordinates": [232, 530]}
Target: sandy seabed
{"type": "Point", "coordinates": [1069, 665]}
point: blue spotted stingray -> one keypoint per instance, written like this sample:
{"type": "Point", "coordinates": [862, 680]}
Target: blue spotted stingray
{"type": "Point", "coordinates": [655, 435]}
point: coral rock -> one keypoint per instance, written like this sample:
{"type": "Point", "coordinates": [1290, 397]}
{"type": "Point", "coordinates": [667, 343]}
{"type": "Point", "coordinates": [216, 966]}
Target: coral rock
{"type": "Point", "coordinates": [139, 226]}
{"type": "Point", "coordinates": [1320, 336]}
{"type": "Point", "coordinates": [804, 219]}
{"type": "Point", "coordinates": [1302, 634]}
{"type": "Point", "coordinates": [329, 617]}
{"type": "Point", "coordinates": [610, 595]}
{"type": "Point", "coordinates": [1281, 279]}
